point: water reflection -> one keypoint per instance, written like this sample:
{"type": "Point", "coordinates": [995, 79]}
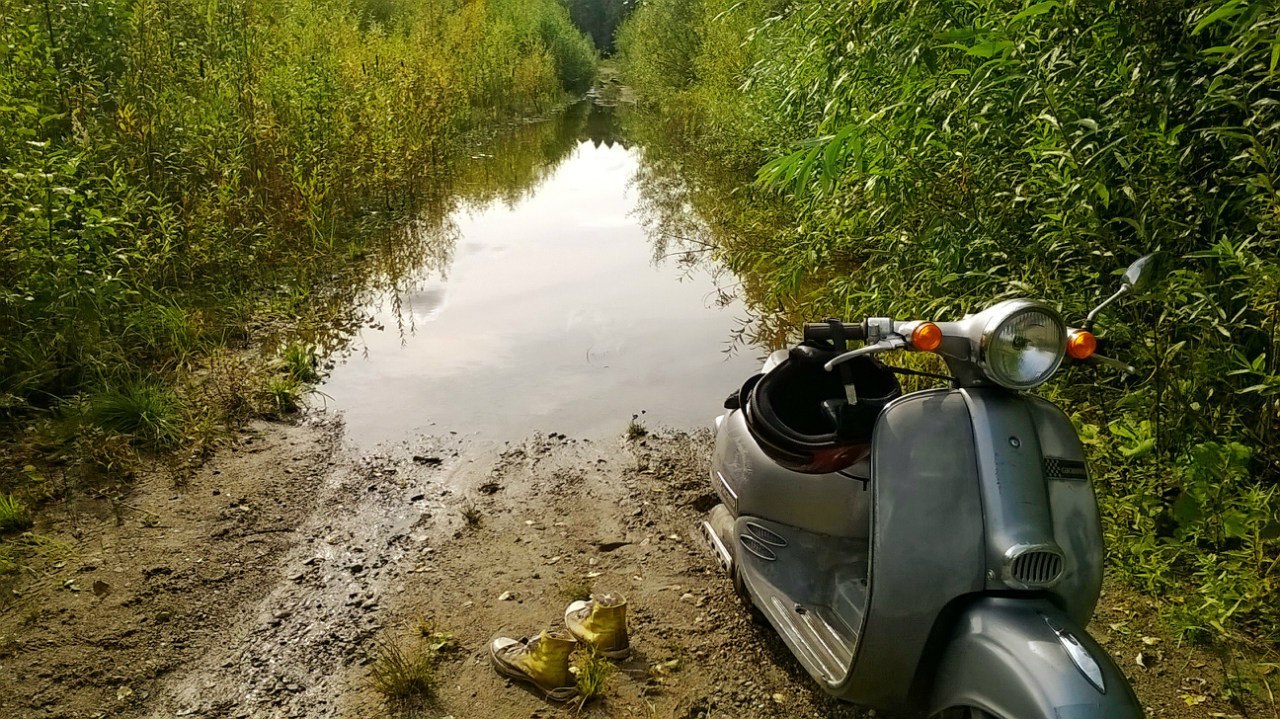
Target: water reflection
{"type": "Point", "coordinates": [535, 302]}
{"type": "Point", "coordinates": [603, 127]}
{"type": "Point", "coordinates": [694, 210]}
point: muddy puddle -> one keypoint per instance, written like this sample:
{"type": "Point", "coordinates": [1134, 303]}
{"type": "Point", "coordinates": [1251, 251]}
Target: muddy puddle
{"type": "Point", "coordinates": [550, 307]}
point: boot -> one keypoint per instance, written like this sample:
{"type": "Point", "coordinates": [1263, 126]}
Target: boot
{"type": "Point", "coordinates": [600, 623]}
{"type": "Point", "coordinates": [542, 661]}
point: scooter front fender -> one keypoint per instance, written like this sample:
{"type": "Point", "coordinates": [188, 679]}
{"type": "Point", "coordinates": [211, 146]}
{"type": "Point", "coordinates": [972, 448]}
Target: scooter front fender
{"type": "Point", "coordinates": [1025, 659]}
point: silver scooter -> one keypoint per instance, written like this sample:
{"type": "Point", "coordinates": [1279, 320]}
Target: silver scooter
{"type": "Point", "coordinates": [937, 553]}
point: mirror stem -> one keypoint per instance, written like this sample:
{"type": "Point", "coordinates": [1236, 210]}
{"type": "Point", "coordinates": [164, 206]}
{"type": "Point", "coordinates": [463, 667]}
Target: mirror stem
{"type": "Point", "coordinates": [1088, 321]}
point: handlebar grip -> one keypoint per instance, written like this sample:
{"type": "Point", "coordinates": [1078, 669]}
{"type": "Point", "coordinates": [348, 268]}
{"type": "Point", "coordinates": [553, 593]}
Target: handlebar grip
{"type": "Point", "coordinates": [823, 331]}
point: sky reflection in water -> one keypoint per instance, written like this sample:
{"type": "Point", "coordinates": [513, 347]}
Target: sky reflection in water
{"type": "Point", "coordinates": [552, 317]}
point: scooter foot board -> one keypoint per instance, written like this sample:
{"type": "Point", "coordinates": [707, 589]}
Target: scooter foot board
{"type": "Point", "coordinates": [816, 636]}
{"type": "Point", "coordinates": [813, 591]}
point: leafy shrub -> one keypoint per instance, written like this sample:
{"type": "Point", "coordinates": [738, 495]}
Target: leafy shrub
{"type": "Point", "coordinates": [925, 159]}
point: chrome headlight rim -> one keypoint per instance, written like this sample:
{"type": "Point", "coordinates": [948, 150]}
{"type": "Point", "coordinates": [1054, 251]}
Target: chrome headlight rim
{"type": "Point", "coordinates": [1010, 310]}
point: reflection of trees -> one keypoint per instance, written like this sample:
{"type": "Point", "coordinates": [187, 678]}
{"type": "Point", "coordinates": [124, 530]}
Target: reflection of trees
{"type": "Point", "coordinates": [603, 126]}
{"type": "Point", "coordinates": [698, 211]}
{"type": "Point", "coordinates": [507, 168]}
{"type": "Point", "coordinates": [513, 164]}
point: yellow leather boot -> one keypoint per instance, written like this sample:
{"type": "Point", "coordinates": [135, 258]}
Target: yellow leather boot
{"type": "Point", "coordinates": [542, 661]}
{"type": "Point", "coordinates": [601, 623]}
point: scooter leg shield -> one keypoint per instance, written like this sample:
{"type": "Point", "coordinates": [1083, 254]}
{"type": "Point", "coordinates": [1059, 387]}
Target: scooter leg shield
{"type": "Point", "coordinates": [1025, 659]}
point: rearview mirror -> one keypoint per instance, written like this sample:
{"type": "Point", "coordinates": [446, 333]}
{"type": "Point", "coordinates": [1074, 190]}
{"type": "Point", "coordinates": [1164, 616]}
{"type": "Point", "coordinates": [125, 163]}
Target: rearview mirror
{"type": "Point", "coordinates": [1140, 273]}
{"type": "Point", "coordinates": [1137, 278]}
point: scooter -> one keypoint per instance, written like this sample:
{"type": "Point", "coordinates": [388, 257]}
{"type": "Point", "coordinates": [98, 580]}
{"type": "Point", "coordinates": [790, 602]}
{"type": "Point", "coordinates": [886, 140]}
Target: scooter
{"type": "Point", "coordinates": [935, 553]}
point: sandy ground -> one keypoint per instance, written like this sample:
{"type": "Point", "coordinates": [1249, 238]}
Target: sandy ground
{"type": "Point", "coordinates": [265, 584]}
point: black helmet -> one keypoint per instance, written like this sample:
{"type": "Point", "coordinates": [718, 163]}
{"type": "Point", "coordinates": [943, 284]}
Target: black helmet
{"type": "Point", "coordinates": [814, 421]}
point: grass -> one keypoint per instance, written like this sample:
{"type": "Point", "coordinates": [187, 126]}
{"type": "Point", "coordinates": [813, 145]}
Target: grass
{"type": "Point", "coordinates": [148, 411]}
{"type": "Point", "coordinates": [301, 362]}
{"type": "Point", "coordinates": [593, 672]}
{"type": "Point", "coordinates": [283, 395]}
{"type": "Point", "coordinates": [636, 428]}
{"type": "Point", "coordinates": [167, 329]}
{"type": "Point", "coordinates": [14, 514]}
{"type": "Point", "coordinates": [404, 677]}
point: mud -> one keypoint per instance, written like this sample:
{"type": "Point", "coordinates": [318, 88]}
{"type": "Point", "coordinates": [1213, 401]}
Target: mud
{"type": "Point", "coordinates": [266, 583]}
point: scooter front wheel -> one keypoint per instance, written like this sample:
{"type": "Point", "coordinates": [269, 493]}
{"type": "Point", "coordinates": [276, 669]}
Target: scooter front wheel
{"type": "Point", "coordinates": [744, 596]}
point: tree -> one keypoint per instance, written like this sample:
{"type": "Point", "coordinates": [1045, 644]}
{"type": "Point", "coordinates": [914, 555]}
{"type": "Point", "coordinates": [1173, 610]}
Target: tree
{"type": "Point", "coordinates": [600, 19]}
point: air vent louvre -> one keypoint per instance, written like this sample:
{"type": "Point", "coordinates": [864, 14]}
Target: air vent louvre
{"type": "Point", "coordinates": [1037, 568]}
{"type": "Point", "coordinates": [757, 547]}
{"type": "Point", "coordinates": [766, 535]}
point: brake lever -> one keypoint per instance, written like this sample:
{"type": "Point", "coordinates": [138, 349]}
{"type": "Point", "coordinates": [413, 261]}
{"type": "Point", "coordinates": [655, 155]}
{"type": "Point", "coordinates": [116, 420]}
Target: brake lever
{"type": "Point", "coordinates": [885, 345]}
{"type": "Point", "coordinates": [1114, 364]}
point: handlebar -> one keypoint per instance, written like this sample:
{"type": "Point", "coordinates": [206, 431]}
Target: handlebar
{"type": "Point", "coordinates": [1114, 364]}
{"type": "Point", "coordinates": [824, 330]}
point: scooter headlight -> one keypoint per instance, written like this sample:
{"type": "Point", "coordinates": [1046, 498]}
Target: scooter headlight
{"type": "Point", "coordinates": [1023, 347]}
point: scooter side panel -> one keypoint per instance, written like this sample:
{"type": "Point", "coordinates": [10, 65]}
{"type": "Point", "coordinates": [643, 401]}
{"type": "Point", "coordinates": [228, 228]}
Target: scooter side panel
{"type": "Point", "coordinates": [1077, 526]}
{"type": "Point", "coordinates": [926, 546]}
{"type": "Point", "coordinates": [1036, 492]}
{"type": "Point", "coordinates": [750, 483]}
{"type": "Point", "coordinates": [1015, 497]}
{"type": "Point", "coordinates": [1013, 658]}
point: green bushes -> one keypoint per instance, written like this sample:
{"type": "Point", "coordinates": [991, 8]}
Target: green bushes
{"type": "Point", "coordinates": [171, 170]}
{"type": "Point", "coordinates": [934, 157]}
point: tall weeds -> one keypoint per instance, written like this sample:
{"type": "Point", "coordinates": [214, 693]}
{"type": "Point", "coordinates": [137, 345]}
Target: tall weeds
{"type": "Point", "coordinates": [927, 158]}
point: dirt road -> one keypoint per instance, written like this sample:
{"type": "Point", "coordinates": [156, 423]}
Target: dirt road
{"type": "Point", "coordinates": [264, 585]}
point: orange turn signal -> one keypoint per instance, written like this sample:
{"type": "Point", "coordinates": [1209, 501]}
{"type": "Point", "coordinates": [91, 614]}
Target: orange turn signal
{"type": "Point", "coordinates": [1081, 344]}
{"type": "Point", "coordinates": [926, 337]}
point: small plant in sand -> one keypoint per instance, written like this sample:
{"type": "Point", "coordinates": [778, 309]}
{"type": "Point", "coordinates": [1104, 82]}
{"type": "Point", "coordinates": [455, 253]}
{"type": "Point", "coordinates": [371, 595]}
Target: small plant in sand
{"type": "Point", "coordinates": [10, 645]}
{"type": "Point", "coordinates": [9, 561]}
{"type": "Point", "coordinates": [404, 677]}
{"type": "Point", "coordinates": [593, 672]}
{"type": "Point", "coordinates": [470, 513]}
{"type": "Point", "coordinates": [636, 428]}
{"type": "Point", "coordinates": [14, 515]}
{"type": "Point", "coordinates": [31, 551]}
{"type": "Point", "coordinates": [437, 641]}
